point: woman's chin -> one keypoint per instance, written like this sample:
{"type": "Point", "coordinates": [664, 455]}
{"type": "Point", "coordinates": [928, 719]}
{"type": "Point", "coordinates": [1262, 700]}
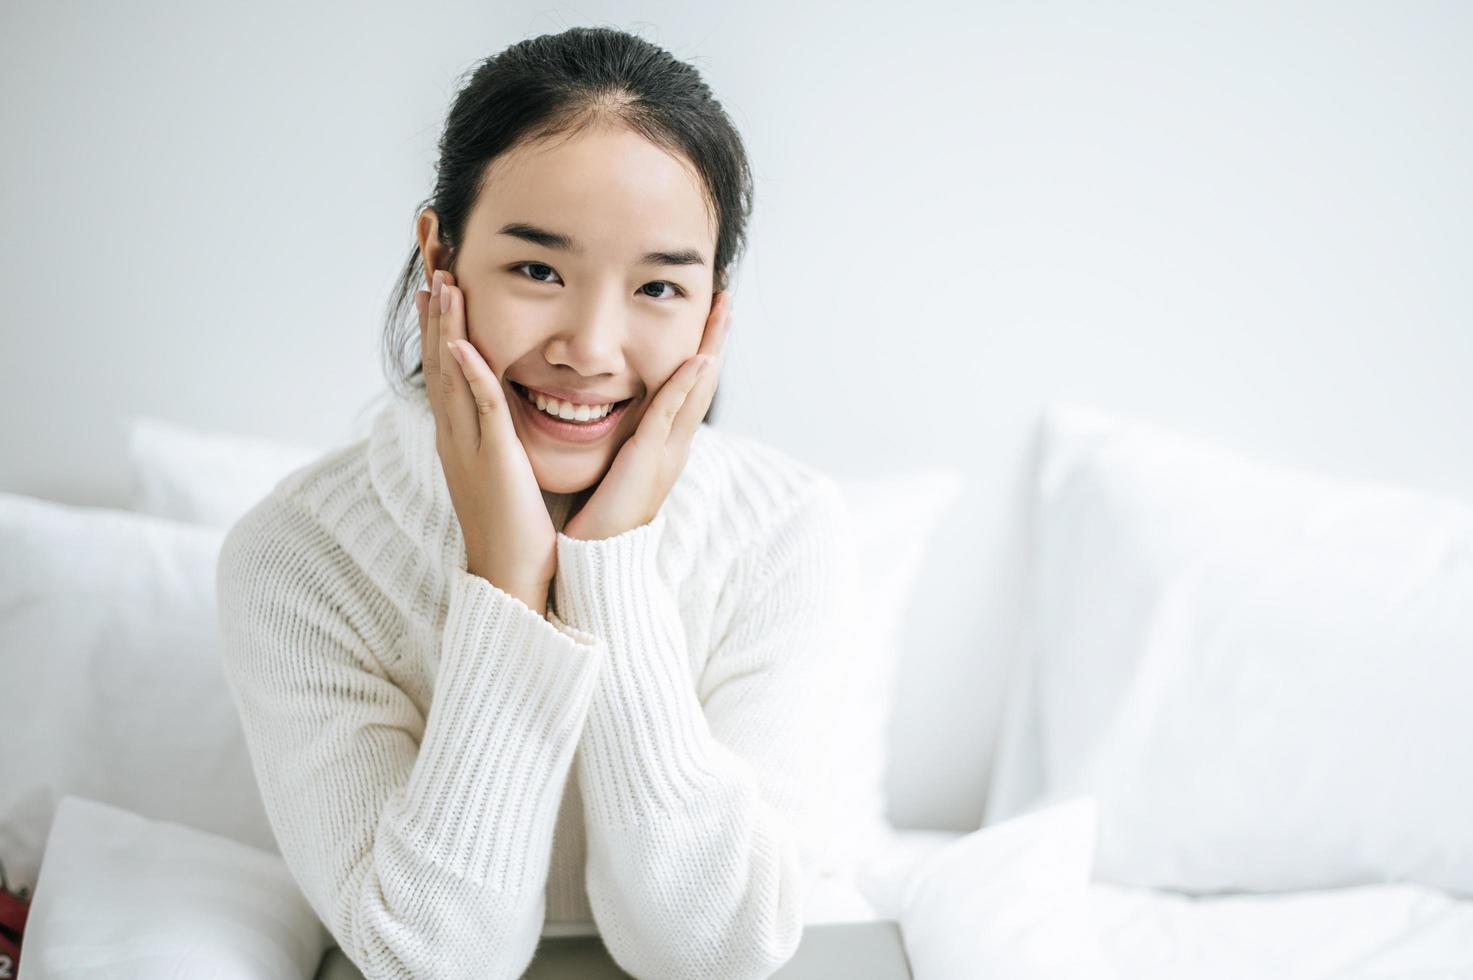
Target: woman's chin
{"type": "Point", "coordinates": [566, 482]}
{"type": "Point", "coordinates": [563, 490]}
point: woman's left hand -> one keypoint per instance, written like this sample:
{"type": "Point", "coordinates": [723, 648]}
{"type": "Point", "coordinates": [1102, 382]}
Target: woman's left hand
{"type": "Point", "coordinates": [647, 465]}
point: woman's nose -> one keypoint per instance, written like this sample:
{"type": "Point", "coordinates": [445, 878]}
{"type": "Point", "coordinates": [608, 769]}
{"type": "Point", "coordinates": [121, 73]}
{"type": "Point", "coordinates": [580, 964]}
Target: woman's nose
{"type": "Point", "coordinates": [593, 340]}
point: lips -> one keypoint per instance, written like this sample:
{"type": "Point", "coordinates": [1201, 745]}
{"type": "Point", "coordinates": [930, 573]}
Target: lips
{"type": "Point", "coordinates": [547, 426]}
{"type": "Point", "coordinates": [523, 390]}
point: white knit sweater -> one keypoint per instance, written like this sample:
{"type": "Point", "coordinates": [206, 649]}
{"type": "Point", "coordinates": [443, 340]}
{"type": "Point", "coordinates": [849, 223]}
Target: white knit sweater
{"type": "Point", "coordinates": [446, 770]}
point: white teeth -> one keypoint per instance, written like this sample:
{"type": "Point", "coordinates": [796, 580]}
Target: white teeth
{"type": "Point", "coordinates": [567, 410]}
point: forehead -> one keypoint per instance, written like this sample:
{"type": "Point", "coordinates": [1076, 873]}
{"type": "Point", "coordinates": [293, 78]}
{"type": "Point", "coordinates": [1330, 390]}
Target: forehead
{"type": "Point", "coordinates": [609, 187]}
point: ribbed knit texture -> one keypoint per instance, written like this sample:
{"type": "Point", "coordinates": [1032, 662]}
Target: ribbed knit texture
{"type": "Point", "coordinates": [450, 775]}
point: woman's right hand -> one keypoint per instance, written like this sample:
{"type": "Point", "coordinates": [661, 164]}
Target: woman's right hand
{"type": "Point", "coordinates": [509, 536]}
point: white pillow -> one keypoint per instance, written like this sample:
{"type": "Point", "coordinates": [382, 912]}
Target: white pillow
{"type": "Point", "coordinates": [883, 875]}
{"type": "Point", "coordinates": [1262, 674]}
{"type": "Point", "coordinates": [110, 678]}
{"type": "Point", "coordinates": [1009, 900]}
{"type": "Point", "coordinates": [121, 896]}
{"type": "Point", "coordinates": [894, 517]}
{"type": "Point", "coordinates": [202, 477]}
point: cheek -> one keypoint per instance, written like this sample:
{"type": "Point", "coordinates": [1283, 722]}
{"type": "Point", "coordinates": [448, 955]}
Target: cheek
{"type": "Point", "coordinates": [505, 330]}
{"type": "Point", "coordinates": [498, 331]}
{"type": "Point", "coordinates": [660, 354]}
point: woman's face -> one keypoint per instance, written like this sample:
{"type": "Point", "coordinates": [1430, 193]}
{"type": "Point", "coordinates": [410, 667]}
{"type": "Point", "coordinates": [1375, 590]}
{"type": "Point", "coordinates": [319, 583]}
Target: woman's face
{"type": "Point", "coordinates": [596, 314]}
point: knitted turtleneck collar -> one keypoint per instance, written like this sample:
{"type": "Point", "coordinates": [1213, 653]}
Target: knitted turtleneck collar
{"type": "Point", "coordinates": [404, 467]}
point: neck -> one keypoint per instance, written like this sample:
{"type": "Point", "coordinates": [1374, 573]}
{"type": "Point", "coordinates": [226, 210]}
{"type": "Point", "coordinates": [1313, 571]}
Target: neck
{"type": "Point", "coordinates": [562, 506]}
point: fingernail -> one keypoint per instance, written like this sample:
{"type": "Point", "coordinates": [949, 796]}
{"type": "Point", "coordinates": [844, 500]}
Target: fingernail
{"type": "Point", "coordinates": [444, 301]}
{"type": "Point", "coordinates": [455, 351]}
{"type": "Point", "coordinates": [435, 283]}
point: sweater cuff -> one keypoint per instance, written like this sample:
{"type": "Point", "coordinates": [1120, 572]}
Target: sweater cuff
{"type": "Point", "coordinates": [604, 581]}
{"type": "Point", "coordinates": [511, 695]}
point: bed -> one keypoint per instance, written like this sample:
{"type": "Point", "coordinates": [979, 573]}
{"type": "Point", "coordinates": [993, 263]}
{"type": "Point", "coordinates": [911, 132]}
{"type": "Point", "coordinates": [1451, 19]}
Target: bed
{"type": "Point", "coordinates": [1102, 930]}
{"type": "Point", "coordinates": [1236, 740]}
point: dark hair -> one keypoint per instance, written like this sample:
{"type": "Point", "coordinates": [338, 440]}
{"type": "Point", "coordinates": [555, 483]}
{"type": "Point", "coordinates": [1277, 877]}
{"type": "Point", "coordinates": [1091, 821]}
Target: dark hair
{"type": "Point", "coordinates": [558, 85]}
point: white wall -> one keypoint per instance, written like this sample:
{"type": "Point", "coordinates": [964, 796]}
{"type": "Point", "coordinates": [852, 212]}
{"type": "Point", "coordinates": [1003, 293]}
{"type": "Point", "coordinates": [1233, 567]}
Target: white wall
{"type": "Point", "coordinates": [1248, 221]}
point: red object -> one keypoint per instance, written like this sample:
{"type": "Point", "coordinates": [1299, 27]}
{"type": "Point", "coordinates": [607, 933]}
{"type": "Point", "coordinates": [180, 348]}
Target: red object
{"type": "Point", "coordinates": [14, 907]}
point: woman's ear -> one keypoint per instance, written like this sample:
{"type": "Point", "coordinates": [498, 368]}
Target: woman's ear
{"type": "Point", "coordinates": [432, 254]}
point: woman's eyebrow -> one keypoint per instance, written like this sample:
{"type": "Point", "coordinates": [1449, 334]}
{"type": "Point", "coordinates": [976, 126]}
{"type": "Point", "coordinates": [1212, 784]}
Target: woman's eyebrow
{"type": "Point", "coordinates": [566, 243]}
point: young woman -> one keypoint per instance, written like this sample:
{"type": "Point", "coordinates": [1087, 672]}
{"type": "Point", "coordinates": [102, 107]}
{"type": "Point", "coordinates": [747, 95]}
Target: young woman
{"type": "Point", "coordinates": [545, 652]}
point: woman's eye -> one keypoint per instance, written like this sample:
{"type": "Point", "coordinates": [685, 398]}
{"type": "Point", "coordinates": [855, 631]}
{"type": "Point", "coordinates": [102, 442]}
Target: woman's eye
{"type": "Point", "coordinates": [535, 265]}
{"type": "Point", "coordinates": [662, 282]}
{"type": "Point", "coordinates": [657, 282]}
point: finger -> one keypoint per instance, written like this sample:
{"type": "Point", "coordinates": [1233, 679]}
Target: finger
{"type": "Point", "coordinates": [460, 403]}
{"type": "Point", "coordinates": [487, 395]}
{"type": "Point", "coordinates": [694, 407]}
{"type": "Point", "coordinates": [421, 306]}
{"type": "Point", "coordinates": [660, 417]}
{"type": "Point", "coordinates": [713, 337]}
{"type": "Point", "coordinates": [698, 399]}
{"type": "Point", "coordinates": [432, 353]}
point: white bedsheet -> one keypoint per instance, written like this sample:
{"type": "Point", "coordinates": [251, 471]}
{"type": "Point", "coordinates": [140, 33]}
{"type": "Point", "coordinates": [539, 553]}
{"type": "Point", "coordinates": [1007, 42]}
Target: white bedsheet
{"type": "Point", "coordinates": [1358, 933]}
{"type": "Point", "coordinates": [1388, 930]}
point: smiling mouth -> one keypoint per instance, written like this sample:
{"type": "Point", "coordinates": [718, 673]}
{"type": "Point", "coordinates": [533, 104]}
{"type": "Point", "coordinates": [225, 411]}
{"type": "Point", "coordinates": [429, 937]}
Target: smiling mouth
{"type": "Point", "coordinates": [532, 404]}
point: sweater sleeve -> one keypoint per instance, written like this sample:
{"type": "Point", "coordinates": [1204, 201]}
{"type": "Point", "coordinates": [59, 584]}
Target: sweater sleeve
{"type": "Point", "coordinates": [702, 807]}
{"type": "Point", "coordinates": [422, 840]}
